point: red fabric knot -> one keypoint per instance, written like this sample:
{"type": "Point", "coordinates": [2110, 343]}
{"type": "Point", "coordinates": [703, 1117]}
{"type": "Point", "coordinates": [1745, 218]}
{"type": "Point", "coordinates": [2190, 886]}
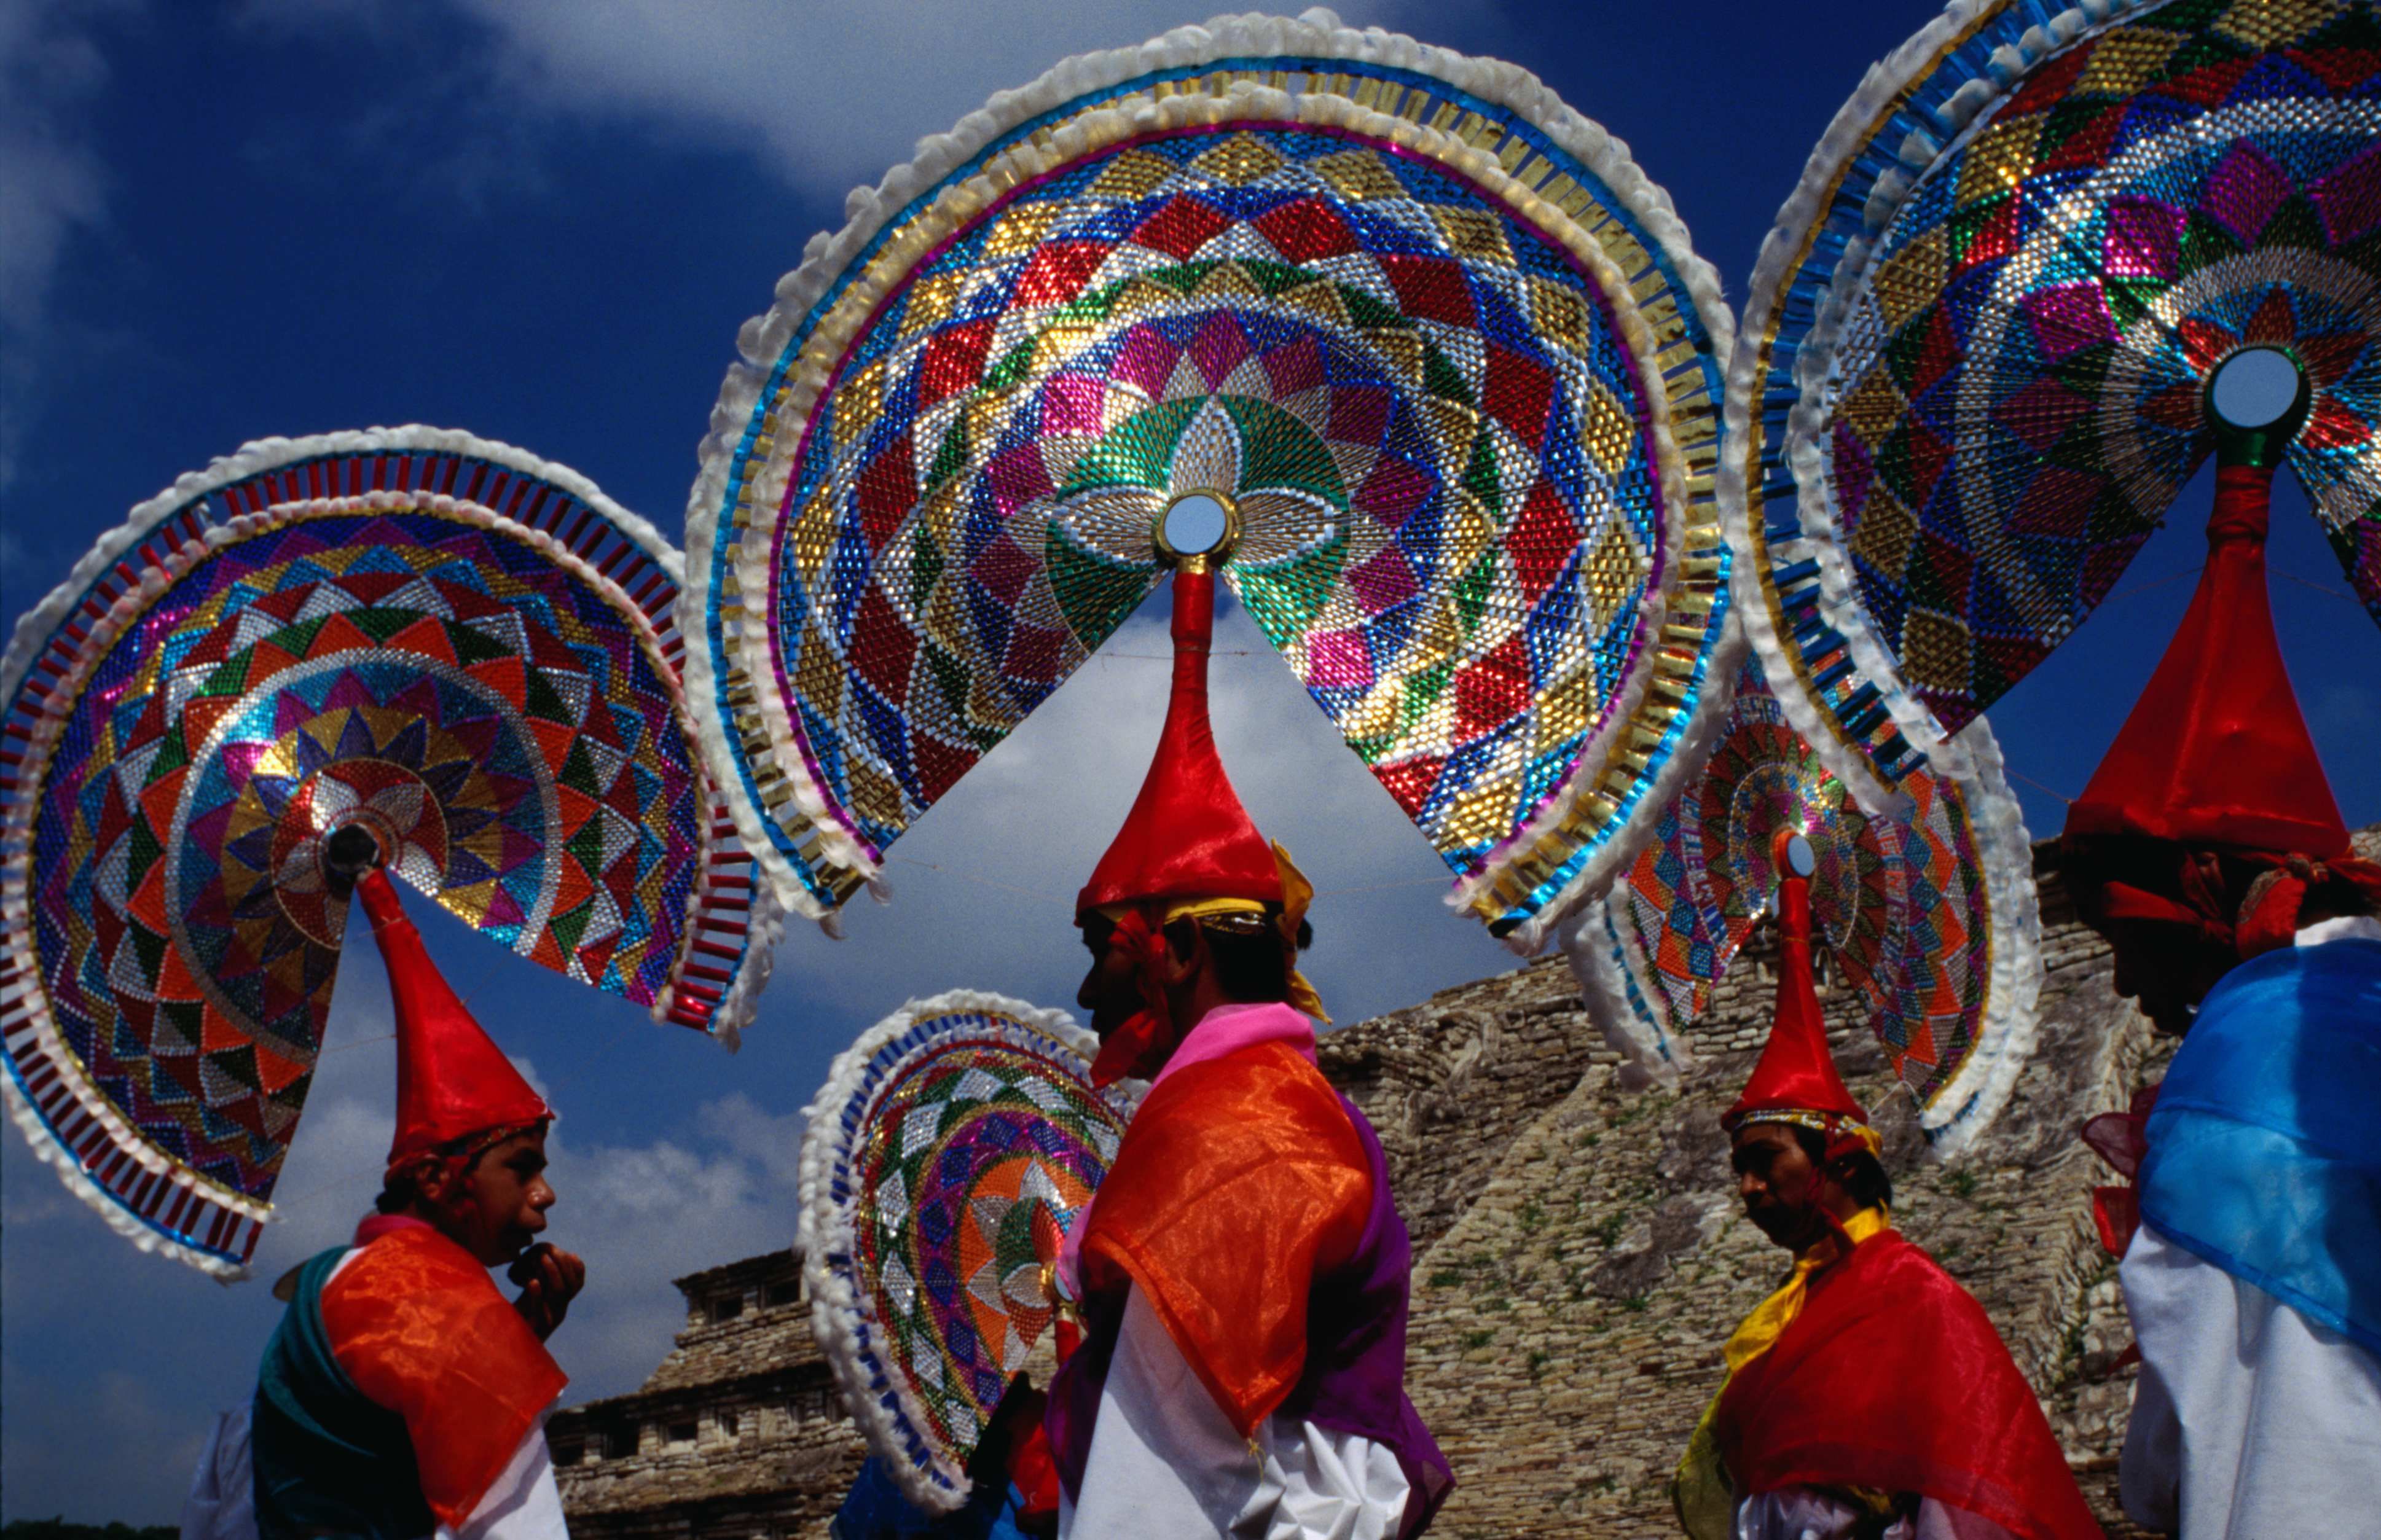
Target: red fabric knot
{"type": "Point", "coordinates": [1140, 1046]}
{"type": "Point", "coordinates": [2269, 916]}
{"type": "Point", "coordinates": [2122, 1139]}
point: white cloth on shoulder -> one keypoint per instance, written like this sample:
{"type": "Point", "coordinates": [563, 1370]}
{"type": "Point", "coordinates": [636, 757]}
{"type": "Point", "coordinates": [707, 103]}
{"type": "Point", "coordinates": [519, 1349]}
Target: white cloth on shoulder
{"type": "Point", "coordinates": [2250, 1421]}
{"type": "Point", "coordinates": [1165, 1461]}
{"type": "Point", "coordinates": [1804, 1513]}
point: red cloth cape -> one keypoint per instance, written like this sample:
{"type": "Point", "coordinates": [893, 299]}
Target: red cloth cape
{"type": "Point", "coordinates": [1240, 1181]}
{"type": "Point", "coordinates": [418, 1324]}
{"type": "Point", "coordinates": [1892, 1378]}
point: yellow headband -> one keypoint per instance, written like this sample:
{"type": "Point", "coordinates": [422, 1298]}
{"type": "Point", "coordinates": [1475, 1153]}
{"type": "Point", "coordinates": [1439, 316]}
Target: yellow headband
{"type": "Point", "coordinates": [1297, 895]}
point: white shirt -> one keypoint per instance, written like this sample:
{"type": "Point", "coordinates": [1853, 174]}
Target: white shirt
{"type": "Point", "coordinates": [1801, 1513]}
{"type": "Point", "coordinates": [1165, 1461]}
{"type": "Point", "coordinates": [2249, 1420]}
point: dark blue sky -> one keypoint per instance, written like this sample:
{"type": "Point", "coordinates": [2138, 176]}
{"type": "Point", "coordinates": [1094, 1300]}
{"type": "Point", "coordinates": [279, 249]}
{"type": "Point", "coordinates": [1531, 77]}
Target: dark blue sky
{"type": "Point", "coordinates": [543, 223]}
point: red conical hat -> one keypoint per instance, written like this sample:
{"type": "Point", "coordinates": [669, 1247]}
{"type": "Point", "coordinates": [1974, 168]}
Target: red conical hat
{"type": "Point", "coordinates": [2215, 752]}
{"type": "Point", "coordinates": [1796, 1080]}
{"type": "Point", "coordinates": [451, 1080]}
{"type": "Point", "coordinates": [1187, 837]}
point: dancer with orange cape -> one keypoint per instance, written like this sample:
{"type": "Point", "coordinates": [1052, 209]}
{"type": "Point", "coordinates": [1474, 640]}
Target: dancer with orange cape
{"type": "Point", "coordinates": [403, 1394]}
{"type": "Point", "coordinates": [1243, 1273]}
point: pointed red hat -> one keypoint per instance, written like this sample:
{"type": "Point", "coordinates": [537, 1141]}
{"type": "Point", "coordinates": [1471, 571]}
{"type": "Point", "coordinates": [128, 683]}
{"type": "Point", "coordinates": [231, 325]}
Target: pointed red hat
{"type": "Point", "coordinates": [2215, 752]}
{"type": "Point", "coordinates": [1187, 837]}
{"type": "Point", "coordinates": [452, 1081]}
{"type": "Point", "coordinates": [1796, 1080]}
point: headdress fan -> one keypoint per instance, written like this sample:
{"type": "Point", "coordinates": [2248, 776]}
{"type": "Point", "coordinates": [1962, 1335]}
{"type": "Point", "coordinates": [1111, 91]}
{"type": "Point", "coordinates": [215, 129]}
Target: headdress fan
{"type": "Point", "coordinates": [949, 1151]}
{"type": "Point", "coordinates": [463, 651]}
{"type": "Point", "coordinates": [1430, 339]}
{"type": "Point", "coordinates": [1929, 920]}
{"type": "Point", "coordinates": [1980, 342]}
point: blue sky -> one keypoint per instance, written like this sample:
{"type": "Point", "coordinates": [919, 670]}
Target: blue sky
{"type": "Point", "coordinates": [543, 220]}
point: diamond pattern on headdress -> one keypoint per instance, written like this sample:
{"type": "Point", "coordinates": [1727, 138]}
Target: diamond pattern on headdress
{"type": "Point", "coordinates": [443, 646]}
{"type": "Point", "coordinates": [1432, 414]}
{"type": "Point", "coordinates": [952, 1147]}
{"type": "Point", "coordinates": [2020, 342]}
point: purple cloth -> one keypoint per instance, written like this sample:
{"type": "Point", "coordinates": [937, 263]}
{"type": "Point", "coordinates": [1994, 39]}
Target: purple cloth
{"type": "Point", "coordinates": [1354, 1379]}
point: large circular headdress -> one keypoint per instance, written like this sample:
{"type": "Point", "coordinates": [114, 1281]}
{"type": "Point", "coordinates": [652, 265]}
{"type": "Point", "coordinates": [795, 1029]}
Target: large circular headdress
{"type": "Point", "coordinates": [1435, 340]}
{"type": "Point", "coordinates": [1977, 344]}
{"type": "Point", "coordinates": [1931, 919]}
{"type": "Point", "coordinates": [459, 648]}
{"type": "Point", "coordinates": [949, 1152]}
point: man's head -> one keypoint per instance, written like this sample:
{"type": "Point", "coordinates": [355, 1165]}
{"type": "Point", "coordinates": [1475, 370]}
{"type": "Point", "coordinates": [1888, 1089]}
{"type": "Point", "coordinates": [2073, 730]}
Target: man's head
{"type": "Point", "coordinates": [1195, 964]}
{"type": "Point", "coordinates": [2178, 919]}
{"type": "Point", "coordinates": [488, 1194]}
{"type": "Point", "coordinates": [1791, 1188]}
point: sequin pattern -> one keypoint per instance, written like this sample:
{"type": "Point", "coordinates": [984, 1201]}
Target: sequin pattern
{"type": "Point", "coordinates": [2016, 398]}
{"type": "Point", "coordinates": [964, 1150]}
{"type": "Point", "coordinates": [1901, 910]}
{"type": "Point", "coordinates": [354, 639]}
{"type": "Point", "coordinates": [1439, 439]}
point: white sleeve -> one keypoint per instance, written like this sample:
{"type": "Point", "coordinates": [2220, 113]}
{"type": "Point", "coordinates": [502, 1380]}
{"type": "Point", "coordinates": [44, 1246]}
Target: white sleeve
{"type": "Point", "coordinates": [1804, 1513]}
{"type": "Point", "coordinates": [222, 1500]}
{"type": "Point", "coordinates": [523, 1503]}
{"type": "Point", "coordinates": [2249, 1420]}
{"type": "Point", "coordinates": [1165, 1460]}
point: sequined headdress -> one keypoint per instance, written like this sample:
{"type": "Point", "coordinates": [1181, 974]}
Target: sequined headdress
{"type": "Point", "coordinates": [1796, 1081]}
{"type": "Point", "coordinates": [1187, 849]}
{"type": "Point", "coordinates": [452, 1081]}
{"type": "Point", "coordinates": [2216, 756]}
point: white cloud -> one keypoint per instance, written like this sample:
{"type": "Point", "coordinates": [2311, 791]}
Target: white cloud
{"type": "Point", "coordinates": [828, 95]}
{"type": "Point", "coordinates": [52, 184]}
{"type": "Point", "coordinates": [51, 69]}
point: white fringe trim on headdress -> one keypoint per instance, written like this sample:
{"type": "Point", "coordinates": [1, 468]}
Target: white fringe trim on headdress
{"type": "Point", "coordinates": [885, 1407]}
{"type": "Point", "coordinates": [1805, 449]}
{"type": "Point", "coordinates": [869, 211]}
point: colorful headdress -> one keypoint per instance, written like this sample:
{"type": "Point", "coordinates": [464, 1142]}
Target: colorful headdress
{"type": "Point", "coordinates": [2216, 756]}
{"type": "Point", "coordinates": [952, 1147]}
{"type": "Point", "coordinates": [2215, 752]}
{"type": "Point", "coordinates": [1187, 849]}
{"type": "Point", "coordinates": [1931, 921]}
{"type": "Point", "coordinates": [1978, 341]}
{"type": "Point", "coordinates": [1444, 348]}
{"type": "Point", "coordinates": [1796, 1081]}
{"type": "Point", "coordinates": [452, 1081]}
{"type": "Point", "coordinates": [464, 651]}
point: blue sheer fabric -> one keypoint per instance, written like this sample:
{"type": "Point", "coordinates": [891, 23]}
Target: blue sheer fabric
{"type": "Point", "coordinates": [2264, 1148]}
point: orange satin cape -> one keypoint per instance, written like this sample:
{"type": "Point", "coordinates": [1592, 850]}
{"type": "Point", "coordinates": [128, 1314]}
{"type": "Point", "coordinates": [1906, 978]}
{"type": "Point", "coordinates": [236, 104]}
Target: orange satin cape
{"type": "Point", "coordinates": [1239, 1183]}
{"type": "Point", "coordinates": [417, 1323]}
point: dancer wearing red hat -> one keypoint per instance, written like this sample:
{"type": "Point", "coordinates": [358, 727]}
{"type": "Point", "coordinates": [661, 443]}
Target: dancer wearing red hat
{"type": "Point", "coordinates": [402, 1394]}
{"type": "Point", "coordinates": [2210, 852]}
{"type": "Point", "coordinates": [1242, 1272]}
{"type": "Point", "coordinates": [1868, 1396]}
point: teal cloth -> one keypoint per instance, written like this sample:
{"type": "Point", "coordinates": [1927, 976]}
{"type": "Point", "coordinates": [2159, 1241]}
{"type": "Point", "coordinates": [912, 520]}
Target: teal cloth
{"type": "Point", "coordinates": [328, 1461]}
{"type": "Point", "coordinates": [2263, 1153]}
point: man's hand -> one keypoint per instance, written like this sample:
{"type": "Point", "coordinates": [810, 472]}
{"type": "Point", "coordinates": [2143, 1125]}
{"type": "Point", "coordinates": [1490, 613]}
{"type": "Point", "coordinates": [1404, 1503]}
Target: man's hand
{"type": "Point", "coordinates": [549, 1280]}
